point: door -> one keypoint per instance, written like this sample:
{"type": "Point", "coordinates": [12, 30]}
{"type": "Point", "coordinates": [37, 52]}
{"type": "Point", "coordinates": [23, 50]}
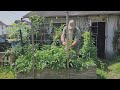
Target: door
{"type": "Point", "coordinates": [98, 33]}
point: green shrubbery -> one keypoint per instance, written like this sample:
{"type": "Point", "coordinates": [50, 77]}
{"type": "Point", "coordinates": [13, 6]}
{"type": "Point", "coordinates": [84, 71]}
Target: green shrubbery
{"type": "Point", "coordinates": [54, 56]}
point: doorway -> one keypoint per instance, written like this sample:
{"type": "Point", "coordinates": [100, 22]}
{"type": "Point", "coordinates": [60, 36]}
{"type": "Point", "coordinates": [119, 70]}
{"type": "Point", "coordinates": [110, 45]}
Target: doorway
{"type": "Point", "coordinates": [98, 33]}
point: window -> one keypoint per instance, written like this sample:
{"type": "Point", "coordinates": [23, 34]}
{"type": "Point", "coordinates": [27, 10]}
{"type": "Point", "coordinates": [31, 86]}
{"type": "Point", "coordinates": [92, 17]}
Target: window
{"type": "Point", "coordinates": [58, 24]}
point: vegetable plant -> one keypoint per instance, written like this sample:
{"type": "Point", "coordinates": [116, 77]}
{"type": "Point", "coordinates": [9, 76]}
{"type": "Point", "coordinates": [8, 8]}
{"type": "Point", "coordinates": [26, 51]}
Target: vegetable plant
{"type": "Point", "coordinates": [88, 49]}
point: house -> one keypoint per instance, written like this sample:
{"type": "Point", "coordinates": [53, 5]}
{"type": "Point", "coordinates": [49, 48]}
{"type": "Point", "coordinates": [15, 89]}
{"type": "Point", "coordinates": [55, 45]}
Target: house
{"type": "Point", "coordinates": [17, 21]}
{"type": "Point", "coordinates": [3, 27]}
{"type": "Point", "coordinates": [103, 26]}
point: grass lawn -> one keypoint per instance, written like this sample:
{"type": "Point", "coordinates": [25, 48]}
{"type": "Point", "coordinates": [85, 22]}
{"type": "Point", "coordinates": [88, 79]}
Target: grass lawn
{"type": "Point", "coordinates": [5, 74]}
{"type": "Point", "coordinates": [114, 72]}
{"type": "Point", "coordinates": [112, 69]}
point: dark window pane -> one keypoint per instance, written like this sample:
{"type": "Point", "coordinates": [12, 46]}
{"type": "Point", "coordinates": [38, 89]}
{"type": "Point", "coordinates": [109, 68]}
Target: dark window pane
{"type": "Point", "coordinates": [94, 23]}
{"type": "Point", "coordinates": [94, 30]}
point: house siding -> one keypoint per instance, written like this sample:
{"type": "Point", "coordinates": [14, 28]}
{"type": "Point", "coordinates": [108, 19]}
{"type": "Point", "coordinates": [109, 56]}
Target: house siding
{"type": "Point", "coordinates": [111, 27]}
{"type": "Point", "coordinates": [2, 29]}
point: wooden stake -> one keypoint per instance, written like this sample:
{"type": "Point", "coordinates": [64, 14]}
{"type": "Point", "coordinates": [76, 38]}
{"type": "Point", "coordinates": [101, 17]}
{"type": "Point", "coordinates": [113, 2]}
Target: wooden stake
{"type": "Point", "coordinates": [33, 62]}
{"type": "Point", "coordinates": [67, 53]}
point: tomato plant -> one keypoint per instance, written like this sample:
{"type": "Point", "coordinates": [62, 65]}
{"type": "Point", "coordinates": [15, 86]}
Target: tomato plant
{"type": "Point", "coordinates": [88, 49]}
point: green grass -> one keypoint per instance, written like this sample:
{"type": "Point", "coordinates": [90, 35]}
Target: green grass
{"type": "Point", "coordinates": [5, 74]}
{"type": "Point", "coordinates": [115, 68]}
{"type": "Point", "coordinates": [114, 72]}
{"type": "Point", "coordinates": [111, 70]}
{"type": "Point", "coordinates": [101, 74]}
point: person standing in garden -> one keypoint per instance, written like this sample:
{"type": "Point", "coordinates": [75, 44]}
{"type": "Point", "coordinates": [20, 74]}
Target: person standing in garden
{"type": "Point", "coordinates": [74, 36]}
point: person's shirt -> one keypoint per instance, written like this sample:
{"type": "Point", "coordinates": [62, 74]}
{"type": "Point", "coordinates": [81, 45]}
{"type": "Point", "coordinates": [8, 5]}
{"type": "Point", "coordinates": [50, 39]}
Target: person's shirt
{"type": "Point", "coordinates": [74, 35]}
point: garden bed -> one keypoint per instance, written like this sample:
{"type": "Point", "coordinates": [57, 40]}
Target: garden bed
{"type": "Point", "coordinates": [66, 74]}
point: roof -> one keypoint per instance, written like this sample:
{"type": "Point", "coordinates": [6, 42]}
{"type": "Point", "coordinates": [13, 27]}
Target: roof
{"type": "Point", "coordinates": [16, 21]}
{"type": "Point", "coordinates": [1, 23]}
{"type": "Point", "coordinates": [71, 13]}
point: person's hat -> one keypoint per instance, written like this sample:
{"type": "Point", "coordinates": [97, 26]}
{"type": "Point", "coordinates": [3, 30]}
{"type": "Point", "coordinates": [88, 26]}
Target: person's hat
{"type": "Point", "coordinates": [71, 24]}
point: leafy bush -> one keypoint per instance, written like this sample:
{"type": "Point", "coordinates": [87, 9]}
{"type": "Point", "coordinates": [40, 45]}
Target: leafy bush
{"type": "Point", "coordinates": [57, 35]}
{"type": "Point", "coordinates": [101, 74]}
{"type": "Point", "coordinates": [37, 21]}
{"type": "Point", "coordinates": [53, 57]}
{"type": "Point", "coordinates": [18, 50]}
{"type": "Point", "coordinates": [88, 49]}
{"type": "Point", "coordinates": [24, 63]}
{"type": "Point", "coordinates": [101, 69]}
{"type": "Point", "coordinates": [14, 33]}
{"type": "Point", "coordinates": [80, 63]}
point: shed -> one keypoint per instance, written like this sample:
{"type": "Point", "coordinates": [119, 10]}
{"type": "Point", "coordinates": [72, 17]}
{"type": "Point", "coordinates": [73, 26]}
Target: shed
{"type": "Point", "coordinates": [104, 24]}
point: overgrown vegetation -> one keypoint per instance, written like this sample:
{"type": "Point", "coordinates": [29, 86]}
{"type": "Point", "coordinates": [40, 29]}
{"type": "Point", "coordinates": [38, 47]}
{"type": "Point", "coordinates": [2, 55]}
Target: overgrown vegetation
{"type": "Point", "coordinates": [53, 56]}
{"type": "Point", "coordinates": [57, 35]}
{"type": "Point", "coordinates": [50, 56]}
{"type": "Point", "coordinates": [14, 31]}
{"type": "Point", "coordinates": [6, 73]}
{"type": "Point", "coordinates": [114, 68]}
{"type": "Point", "coordinates": [109, 70]}
{"type": "Point", "coordinates": [88, 49]}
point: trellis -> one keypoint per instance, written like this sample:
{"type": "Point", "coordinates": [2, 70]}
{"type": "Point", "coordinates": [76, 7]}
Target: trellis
{"type": "Point", "coordinates": [85, 28]}
{"type": "Point", "coordinates": [41, 35]}
{"type": "Point", "coordinates": [44, 33]}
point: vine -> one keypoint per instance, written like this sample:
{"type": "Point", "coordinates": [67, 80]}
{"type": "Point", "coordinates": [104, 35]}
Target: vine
{"type": "Point", "coordinates": [88, 49]}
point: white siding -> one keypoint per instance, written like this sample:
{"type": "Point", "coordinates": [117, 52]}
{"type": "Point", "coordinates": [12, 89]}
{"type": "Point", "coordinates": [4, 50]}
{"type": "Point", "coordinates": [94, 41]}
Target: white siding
{"type": "Point", "coordinates": [55, 20]}
{"type": "Point", "coordinates": [83, 23]}
{"type": "Point", "coordinates": [111, 27]}
{"type": "Point", "coordinates": [2, 30]}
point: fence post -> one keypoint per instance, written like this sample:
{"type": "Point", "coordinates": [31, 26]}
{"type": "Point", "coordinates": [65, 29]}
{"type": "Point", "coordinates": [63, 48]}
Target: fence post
{"type": "Point", "coordinates": [20, 33]}
{"type": "Point", "coordinates": [67, 53]}
{"type": "Point", "coordinates": [90, 24]}
{"type": "Point", "coordinates": [67, 18]}
{"type": "Point", "coordinates": [33, 62]}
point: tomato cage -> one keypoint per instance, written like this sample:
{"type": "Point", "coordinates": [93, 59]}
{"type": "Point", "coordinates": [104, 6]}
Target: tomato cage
{"type": "Point", "coordinates": [43, 55]}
